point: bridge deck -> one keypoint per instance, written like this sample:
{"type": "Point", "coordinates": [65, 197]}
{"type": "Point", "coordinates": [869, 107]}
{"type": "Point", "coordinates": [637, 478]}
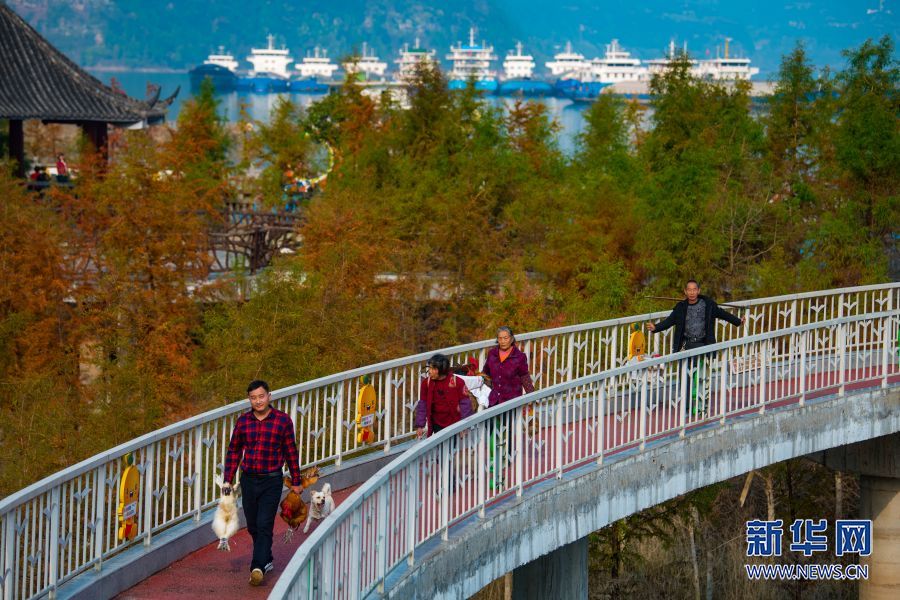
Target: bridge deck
{"type": "Point", "coordinates": [222, 575]}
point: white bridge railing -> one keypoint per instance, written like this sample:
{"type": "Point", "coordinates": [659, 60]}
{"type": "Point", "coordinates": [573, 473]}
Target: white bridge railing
{"type": "Point", "coordinates": [66, 524]}
{"type": "Point", "coordinates": [497, 453]}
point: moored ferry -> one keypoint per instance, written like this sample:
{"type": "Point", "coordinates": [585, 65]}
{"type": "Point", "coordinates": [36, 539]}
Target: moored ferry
{"type": "Point", "coordinates": [568, 68]}
{"type": "Point", "coordinates": [314, 70]}
{"type": "Point", "coordinates": [366, 66]}
{"type": "Point", "coordinates": [270, 69]}
{"type": "Point", "coordinates": [518, 76]}
{"type": "Point", "coordinates": [720, 68]}
{"type": "Point", "coordinates": [411, 59]}
{"type": "Point", "coordinates": [220, 68]}
{"type": "Point", "coordinates": [472, 61]}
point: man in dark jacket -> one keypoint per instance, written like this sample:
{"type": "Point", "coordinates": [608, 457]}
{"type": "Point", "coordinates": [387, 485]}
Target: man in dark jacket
{"type": "Point", "coordinates": [694, 319]}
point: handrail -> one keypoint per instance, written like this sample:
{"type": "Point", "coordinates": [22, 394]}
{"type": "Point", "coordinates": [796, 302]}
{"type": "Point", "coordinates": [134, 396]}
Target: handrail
{"type": "Point", "coordinates": [70, 515]}
{"type": "Point", "coordinates": [735, 378]}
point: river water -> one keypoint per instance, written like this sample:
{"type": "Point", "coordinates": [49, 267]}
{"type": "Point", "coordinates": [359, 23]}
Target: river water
{"type": "Point", "coordinates": [569, 115]}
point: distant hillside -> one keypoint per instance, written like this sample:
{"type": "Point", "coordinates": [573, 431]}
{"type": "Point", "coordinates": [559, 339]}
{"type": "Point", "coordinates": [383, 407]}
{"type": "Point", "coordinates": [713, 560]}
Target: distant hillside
{"type": "Point", "coordinates": [180, 33]}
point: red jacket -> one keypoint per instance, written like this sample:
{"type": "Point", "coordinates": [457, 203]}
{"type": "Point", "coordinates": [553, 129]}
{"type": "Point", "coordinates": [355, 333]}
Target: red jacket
{"type": "Point", "coordinates": [442, 402]}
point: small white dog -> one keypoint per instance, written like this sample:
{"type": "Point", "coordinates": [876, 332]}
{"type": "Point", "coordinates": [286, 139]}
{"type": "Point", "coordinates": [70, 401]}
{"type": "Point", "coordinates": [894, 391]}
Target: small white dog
{"type": "Point", "coordinates": [320, 506]}
{"type": "Point", "coordinates": [225, 522]}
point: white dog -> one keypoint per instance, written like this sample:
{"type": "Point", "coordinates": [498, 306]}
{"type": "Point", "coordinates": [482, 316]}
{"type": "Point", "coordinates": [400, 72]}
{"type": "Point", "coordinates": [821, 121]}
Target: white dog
{"type": "Point", "coordinates": [320, 506]}
{"type": "Point", "coordinates": [225, 521]}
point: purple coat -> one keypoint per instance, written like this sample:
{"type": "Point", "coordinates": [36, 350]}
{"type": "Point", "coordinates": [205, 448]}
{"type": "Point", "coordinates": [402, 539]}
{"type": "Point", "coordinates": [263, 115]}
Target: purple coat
{"type": "Point", "coordinates": [510, 378]}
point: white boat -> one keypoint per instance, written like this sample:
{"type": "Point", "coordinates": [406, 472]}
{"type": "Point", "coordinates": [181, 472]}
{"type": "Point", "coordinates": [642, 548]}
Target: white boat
{"type": "Point", "coordinates": [518, 72]}
{"type": "Point", "coordinates": [518, 65]}
{"type": "Point", "coordinates": [472, 61]}
{"type": "Point", "coordinates": [657, 66]}
{"type": "Point", "coordinates": [568, 64]}
{"type": "Point", "coordinates": [725, 68]}
{"type": "Point", "coordinates": [367, 64]}
{"type": "Point", "coordinates": [410, 59]}
{"type": "Point", "coordinates": [222, 59]}
{"type": "Point", "coordinates": [617, 65]}
{"type": "Point", "coordinates": [270, 60]}
{"type": "Point", "coordinates": [316, 65]}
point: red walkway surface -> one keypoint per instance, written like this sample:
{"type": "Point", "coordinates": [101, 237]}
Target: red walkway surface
{"type": "Point", "coordinates": [210, 573]}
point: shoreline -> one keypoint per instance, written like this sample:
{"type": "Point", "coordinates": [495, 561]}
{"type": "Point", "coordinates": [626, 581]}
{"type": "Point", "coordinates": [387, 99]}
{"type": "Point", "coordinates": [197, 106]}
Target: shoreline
{"type": "Point", "coordinates": [121, 69]}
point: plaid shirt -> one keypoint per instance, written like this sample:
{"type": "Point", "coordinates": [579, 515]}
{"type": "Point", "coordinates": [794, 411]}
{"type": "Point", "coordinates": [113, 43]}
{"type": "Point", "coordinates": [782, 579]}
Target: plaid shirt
{"type": "Point", "coordinates": [265, 445]}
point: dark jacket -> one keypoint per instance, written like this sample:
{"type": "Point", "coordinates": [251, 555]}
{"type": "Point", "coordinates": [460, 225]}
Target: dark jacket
{"type": "Point", "coordinates": [679, 315]}
{"type": "Point", "coordinates": [442, 402]}
{"type": "Point", "coordinates": [508, 378]}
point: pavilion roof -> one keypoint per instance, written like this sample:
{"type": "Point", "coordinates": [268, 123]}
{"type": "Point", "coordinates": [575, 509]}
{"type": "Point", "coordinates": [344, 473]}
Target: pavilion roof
{"type": "Point", "coordinates": [37, 81]}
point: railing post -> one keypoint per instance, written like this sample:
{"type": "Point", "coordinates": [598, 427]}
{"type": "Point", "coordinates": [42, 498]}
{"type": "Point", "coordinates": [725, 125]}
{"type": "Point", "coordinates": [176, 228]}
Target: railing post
{"type": "Point", "coordinates": [303, 579]}
{"type": "Point", "coordinates": [803, 345]}
{"type": "Point", "coordinates": [601, 425]}
{"type": "Point", "coordinates": [763, 346]}
{"type": "Point", "coordinates": [683, 377]}
{"type": "Point", "coordinates": [99, 530]}
{"type": "Point", "coordinates": [842, 350]}
{"type": "Point", "coordinates": [519, 450]}
{"type": "Point", "coordinates": [8, 567]}
{"type": "Point", "coordinates": [445, 489]}
{"type": "Point", "coordinates": [559, 401]}
{"type": "Point", "coordinates": [643, 432]}
{"type": "Point", "coordinates": [381, 541]}
{"type": "Point", "coordinates": [412, 509]}
{"type": "Point", "coordinates": [354, 541]}
{"type": "Point", "coordinates": [199, 478]}
{"type": "Point", "coordinates": [390, 398]}
{"type": "Point", "coordinates": [338, 424]}
{"type": "Point", "coordinates": [149, 457]}
{"type": "Point", "coordinates": [481, 465]}
{"type": "Point", "coordinates": [614, 349]}
{"type": "Point", "coordinates": [570, 358]}
{"type": "Point", "coordinates": [723, 383]}
{"type": "Point", "coordinates": [53, 542]}
{"type": "Point", "coordinates": [326, 577]}
{"type": "Point", "coordinates": [885, 351]}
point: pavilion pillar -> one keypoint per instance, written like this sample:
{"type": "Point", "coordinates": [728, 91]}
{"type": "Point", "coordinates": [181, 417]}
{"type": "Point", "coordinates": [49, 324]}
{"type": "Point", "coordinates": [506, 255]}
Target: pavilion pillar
{"type": "Point", "coordinates": [17, 146]}
{"type": "Point", "coordinates": [98, 135]}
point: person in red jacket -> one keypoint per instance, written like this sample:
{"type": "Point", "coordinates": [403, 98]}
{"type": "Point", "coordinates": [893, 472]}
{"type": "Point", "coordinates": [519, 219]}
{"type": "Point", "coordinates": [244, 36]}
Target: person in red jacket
{"type": "Point", "coordinates": [443, 398]}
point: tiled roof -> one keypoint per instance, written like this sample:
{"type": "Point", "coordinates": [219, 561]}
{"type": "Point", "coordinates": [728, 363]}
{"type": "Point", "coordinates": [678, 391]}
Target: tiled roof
{"type": "Point", "coordinates": [37, 81]}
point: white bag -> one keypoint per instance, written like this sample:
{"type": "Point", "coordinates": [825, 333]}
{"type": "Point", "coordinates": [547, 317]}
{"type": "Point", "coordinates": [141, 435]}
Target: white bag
{"type": "Point", "coordinates": [475, 385]}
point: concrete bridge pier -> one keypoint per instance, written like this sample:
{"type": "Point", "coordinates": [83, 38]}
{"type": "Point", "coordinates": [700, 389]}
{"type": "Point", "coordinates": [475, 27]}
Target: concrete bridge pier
{"type": "Point", "coordinates": [879, 500]}
{"type": "Point", "coordinates": [877, 461]}
{"type": "Point", "coordinates": [563, 573]}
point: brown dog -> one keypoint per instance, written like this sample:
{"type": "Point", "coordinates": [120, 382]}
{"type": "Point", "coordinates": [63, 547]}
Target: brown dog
{"type": "Point", "coordinates": [293, 509]}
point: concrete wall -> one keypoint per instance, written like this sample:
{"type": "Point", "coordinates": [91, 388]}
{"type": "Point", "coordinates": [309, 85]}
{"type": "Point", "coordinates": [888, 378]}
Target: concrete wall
{"type": "Point", "coordinates": [558, 513]}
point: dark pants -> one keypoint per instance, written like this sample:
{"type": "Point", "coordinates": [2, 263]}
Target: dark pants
{"type": "Point", "coordinates": [261, 495]}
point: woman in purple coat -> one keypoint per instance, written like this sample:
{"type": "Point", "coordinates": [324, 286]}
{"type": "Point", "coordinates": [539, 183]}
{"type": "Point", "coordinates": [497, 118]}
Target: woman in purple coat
{"type": "Point", "coordinates": [507, 368]}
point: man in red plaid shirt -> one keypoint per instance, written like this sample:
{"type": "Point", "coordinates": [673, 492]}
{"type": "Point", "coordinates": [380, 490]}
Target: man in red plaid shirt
{"type": "Point", "coordinates": [262, 440]}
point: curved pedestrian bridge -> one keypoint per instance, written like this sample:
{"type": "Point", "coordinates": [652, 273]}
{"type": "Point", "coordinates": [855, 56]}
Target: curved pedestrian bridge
{"type": "Point", "coordinates": [602, 437]}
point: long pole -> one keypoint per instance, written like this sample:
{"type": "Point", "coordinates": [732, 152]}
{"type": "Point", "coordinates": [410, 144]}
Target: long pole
{"type": "Point", "coordinates": [680, 299]}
